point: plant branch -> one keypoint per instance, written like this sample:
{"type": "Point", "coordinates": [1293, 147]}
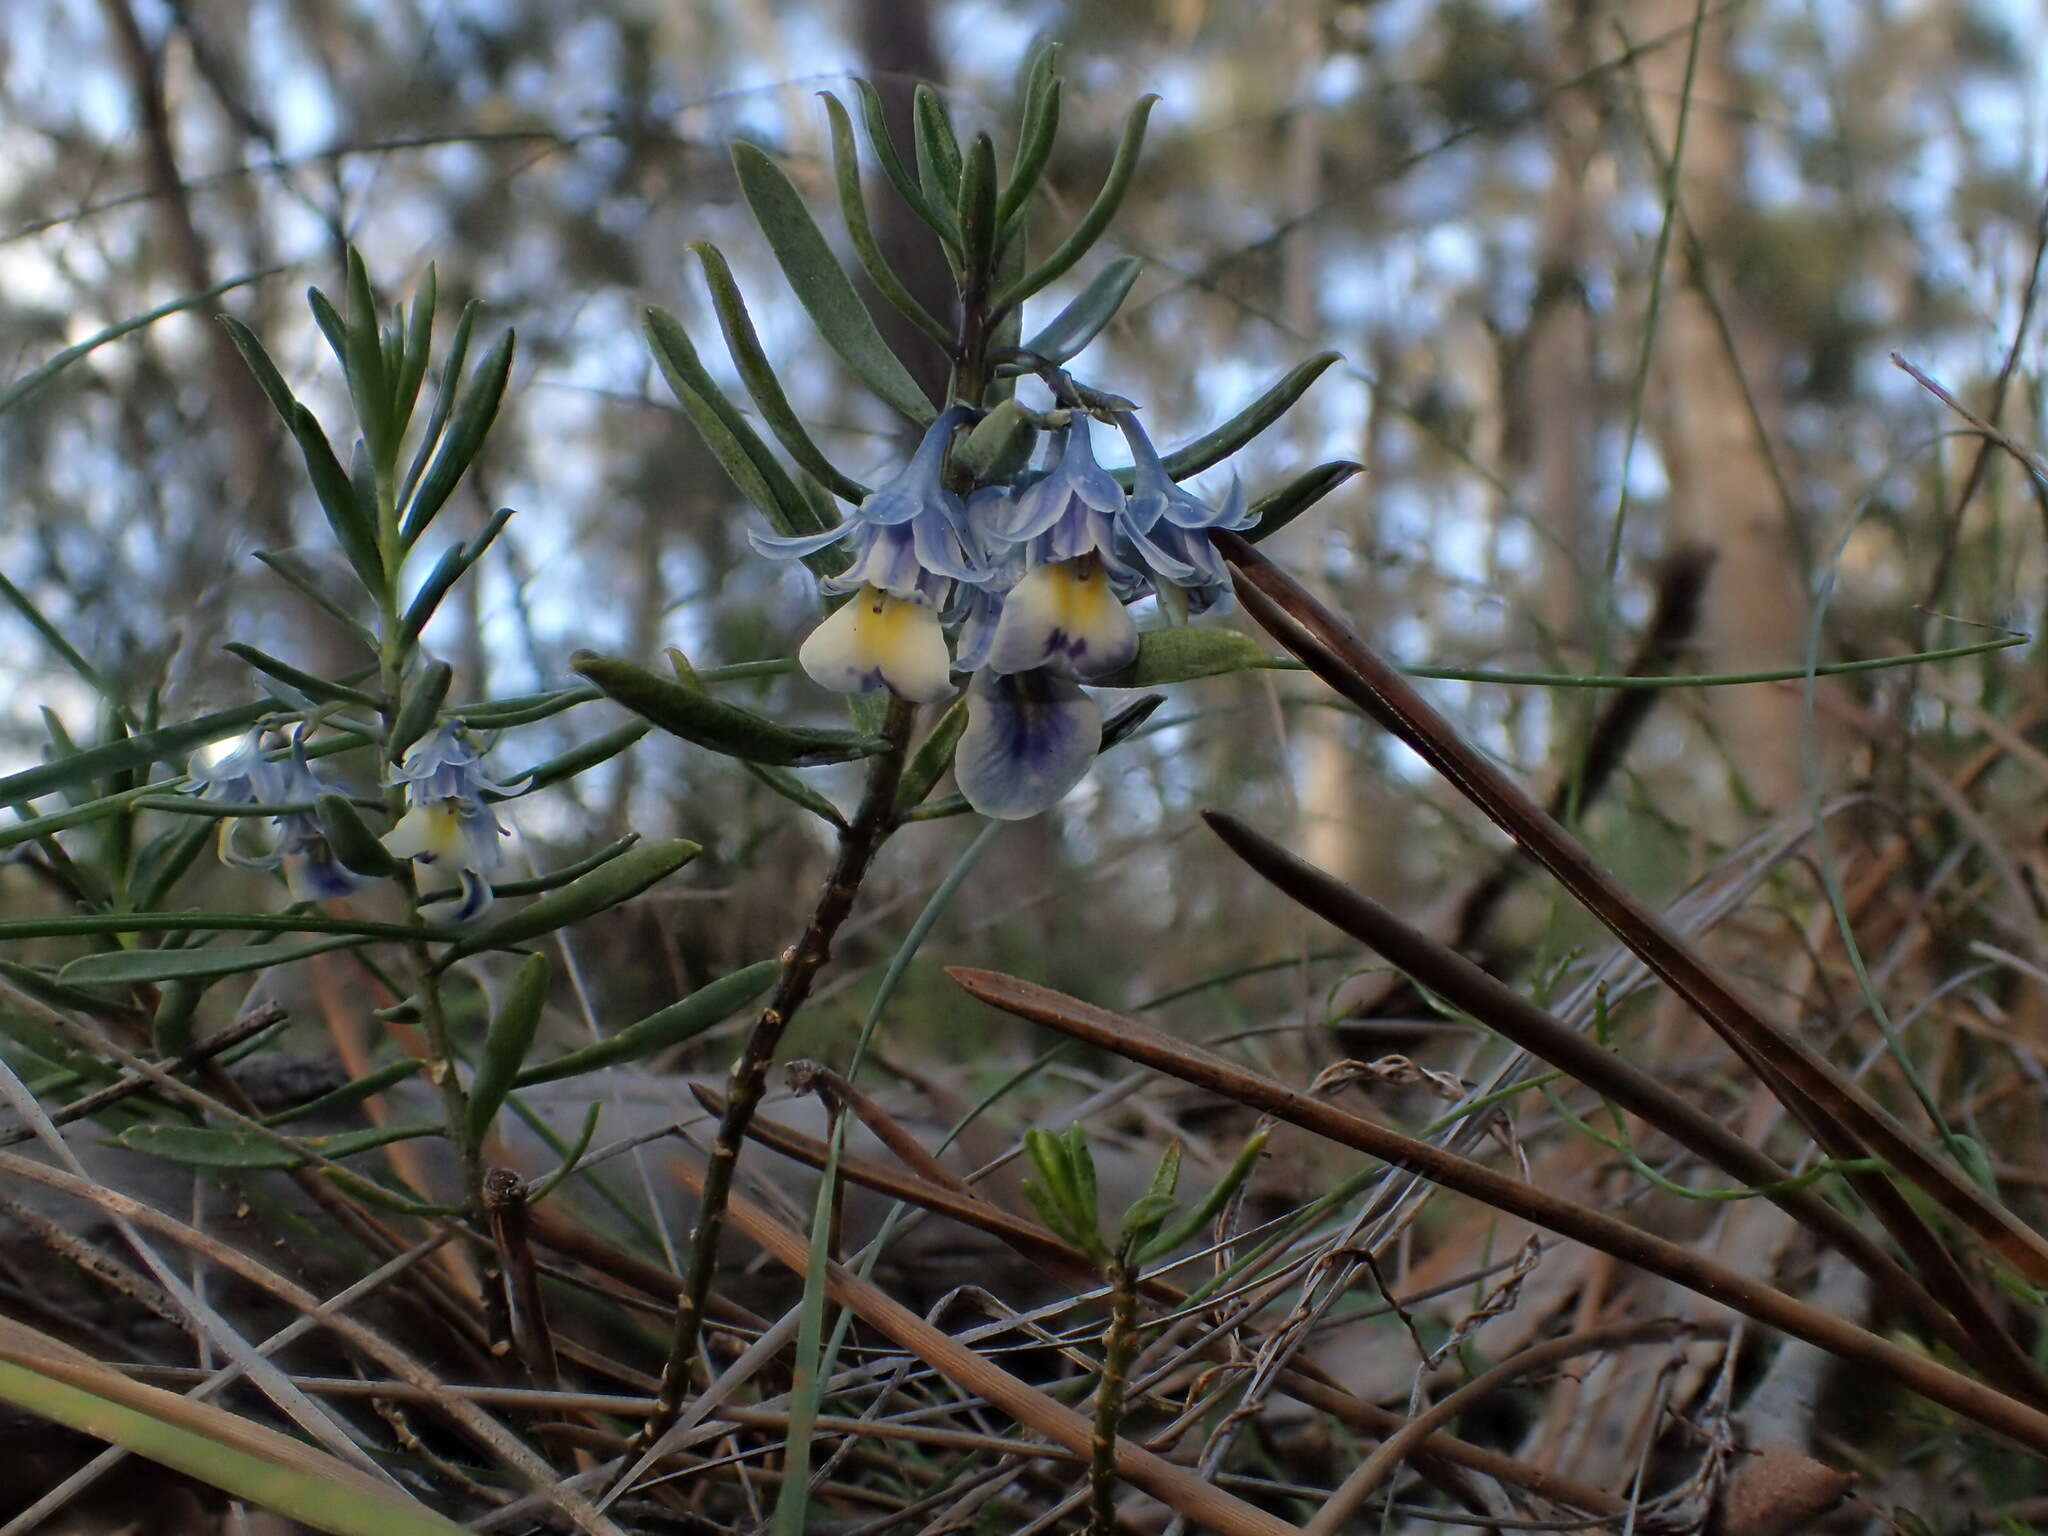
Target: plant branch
{"type": "Point", "coordinates": [858, 844]}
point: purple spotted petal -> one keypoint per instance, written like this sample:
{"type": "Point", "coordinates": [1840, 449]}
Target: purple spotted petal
{"type": "Point", "coordinates": [1030, 737]}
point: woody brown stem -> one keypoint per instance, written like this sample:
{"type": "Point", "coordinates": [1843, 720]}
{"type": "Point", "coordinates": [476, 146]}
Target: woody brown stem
{"type": "Point", "coordinates": [858, 843]}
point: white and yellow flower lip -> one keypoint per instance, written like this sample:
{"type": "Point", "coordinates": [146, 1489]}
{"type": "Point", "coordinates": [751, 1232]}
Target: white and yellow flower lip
{"type": "Point", "coordinates": [878, 640]}
{"type": "Point", "coordinates": [1067, 616]}
{"type": "Point", "coordinates": [1030, 737]}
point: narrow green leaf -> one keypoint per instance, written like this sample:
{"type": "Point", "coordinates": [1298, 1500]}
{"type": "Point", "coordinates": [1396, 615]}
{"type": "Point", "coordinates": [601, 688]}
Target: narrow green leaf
{"type": "Point", "coordinates": [555, 878]}
{"type": "Point", "coordinates": [317, 689]}
{"type": "Point", "coordinates": [938, 150]}
{"type": "Point", "coordinates": [1215, 446]}
{"type": "Point", "coordinates": [821, 284]}
{"type": "Point", "coordinates": [507, 1041]}
{"type": "Point", "coordinates": [44, 987]}
{"type": "Point", "coordinates": [43, 373]}
{"type": "Point", "coordinates": [607, 886]}
{"type": "Point", "coordinates": [1092, 309]}
{"type": "Point", "coordinates": [938, 216]}
{"type": "Point", "coordinates": [125, 967]}
{"type": "Point", "coordinates": [853, 208]}
{"type": "Point", "coordinates": [978, 203]}
{"type": "Point", "coordinates": [737, 447]}
{"type": "Point", "coordinates": [1082, 1161]}
{"type": "Point", "coordinates": [164, 861]}
{"type": "Point", "coordinates": [1185, 652]}
{"type": "Point", "coordinates": [353, 524]}
{"type": "Point", "coordinates": [453, 565]}
{"type": "Point", "coordinates": [268, 379]}
{"type": "Point", "coordinates": [419, 705]}
{"type": "Point", "coordinates": [207, 1147]}
{"type": "Point", "coordinates": [1084, 234]}
{"type": "Point", "coordinates": [1192, 1221]}
{"type": "Point", "coordinates": [718, 726]}
{"type": "Point", "coordinates": [796, 791]}
{"type": "Point", "coordinates": [1142, 1221]}
{"type": "Point", "coordinates": [170, 1026]}
{"type": "Point", "coordinates": [351, 839]}
{"type": "Point", "coordinates": [369, 389]}
{"type": "Point", "coordinates": [475, 410]}
{"type": "Point", "coordinates": [444, 400]}
{"type": "Point", "coordinates": [1034, 142]}
{"type": "Point", "coordinates": [933, 757]}
{"type": "Point", "coordinates": [56, 639]}
{"type": "Point", "coordinates": [352, 1093]}
{"type": "Point", "coordinates": [571, 1160]}
{"type": "Point", "coordinates": [418, 347]}
{"type": "Point", "coordinates": [1281, 507]}
{"type": "Point", "coordinates": [1121, 726]}
{"type": "Point", "coordinates": [1166, 1173]}
{"type": "Point", "coordinates": [678, 1022]}
{"type": "Point", "coordinates": [759, 377]}
{"type": "Point", "coordinates": [170, 744]}
{"type": "Point", "coordinates": [371, 1193]}
{"type": "Point", "coordinates": [579, 758]}
{"type": "Point", "coordinates": [331, 324]}
{"type": "Point", "coordinates": [245, 1460]}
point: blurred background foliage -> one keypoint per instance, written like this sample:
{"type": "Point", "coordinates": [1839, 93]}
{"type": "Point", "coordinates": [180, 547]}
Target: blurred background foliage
{"type": "Point", "coordinates": [1565, 367]}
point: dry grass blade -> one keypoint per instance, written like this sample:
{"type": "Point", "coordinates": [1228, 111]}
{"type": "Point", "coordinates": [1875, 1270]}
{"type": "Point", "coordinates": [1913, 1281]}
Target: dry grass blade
{"type": "Point", "coordinates": [1175, 1486]}
{"type": "Point", "coordinates": [1463, 984]}
{"type": "Point", "coordinates": [1140, 1043]}
{"type": "Point", "coordinates": [1301, 1379]}
{"type": "Point", "coordinates": [1352, 1493]}
{"type": "Point", "coordinates": [49, 1378]}
{"type": "Point", "coordinates": [487, 1432]}
{"type": "Point", "coordinates": [1841, 1116]}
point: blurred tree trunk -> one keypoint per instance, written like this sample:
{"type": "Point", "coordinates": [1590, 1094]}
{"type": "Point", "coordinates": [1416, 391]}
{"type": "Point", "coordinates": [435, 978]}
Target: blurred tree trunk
{"type": "Point", "coordinates": [1723, 492]}
{"type": "Point", "coordinates": [1558, 391]}
{"type": "Point", "coordinates": [1339, 794]}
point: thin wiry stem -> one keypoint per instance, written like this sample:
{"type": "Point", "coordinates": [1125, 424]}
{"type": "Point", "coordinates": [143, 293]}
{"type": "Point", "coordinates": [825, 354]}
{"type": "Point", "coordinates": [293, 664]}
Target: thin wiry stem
{"type": "Point", "coordinates": [858, 845]}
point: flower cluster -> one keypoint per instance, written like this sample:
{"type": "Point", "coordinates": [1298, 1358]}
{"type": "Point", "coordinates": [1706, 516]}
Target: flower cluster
{"type": "Point", "coordinates": [448, 826]}
{"type": "Point", "coordinates": [1037, 574]}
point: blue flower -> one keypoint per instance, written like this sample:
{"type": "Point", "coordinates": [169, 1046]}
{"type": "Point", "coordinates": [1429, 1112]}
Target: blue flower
{"type": "Point", "coordinates": [448, 826]}
{"type": "Point", "coordinates": [1168, 529]}
{"type": "Point", "coordinates": [910, 544]}
{"type": "Point", "coordinates": [311, 871]}
{"type": "Point", "coordinates": [1030, 738]}
{"type": "Point", "coordinates": [296, 845]}
{"type": "Point", "coordinates": [1067, 611]}
{"type": "Point", "coordinates": [244, 775]}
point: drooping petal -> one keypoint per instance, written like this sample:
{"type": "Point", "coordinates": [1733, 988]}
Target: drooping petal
{"type": "Point", "coordinates": [779, 546]}
{"type": "Point", "coordinates": [884, 558]}
{"type": "Point", "coordinates": [918, 486]}
{"type": "Point", "coordinates": [1030, 737]}
{"type": "Point", "coordinates": [879, 641]}
{"type": "Point", "coordinates": [983, 610]}
{"type": "Point", "coordinates": [1089, 481]}
{"type": "Point", "coordinates": [1066, 616]}
{"type": "Point", "coordinates": [469, 897]}
{"type": "Point", "coordinates": [943, 546]}
{"type": "Point", "coordinates": [313, 873]}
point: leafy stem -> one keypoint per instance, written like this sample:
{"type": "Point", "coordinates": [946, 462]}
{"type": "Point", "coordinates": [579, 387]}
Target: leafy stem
{"type": "Point", "coordinates": [1119, 1348]}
